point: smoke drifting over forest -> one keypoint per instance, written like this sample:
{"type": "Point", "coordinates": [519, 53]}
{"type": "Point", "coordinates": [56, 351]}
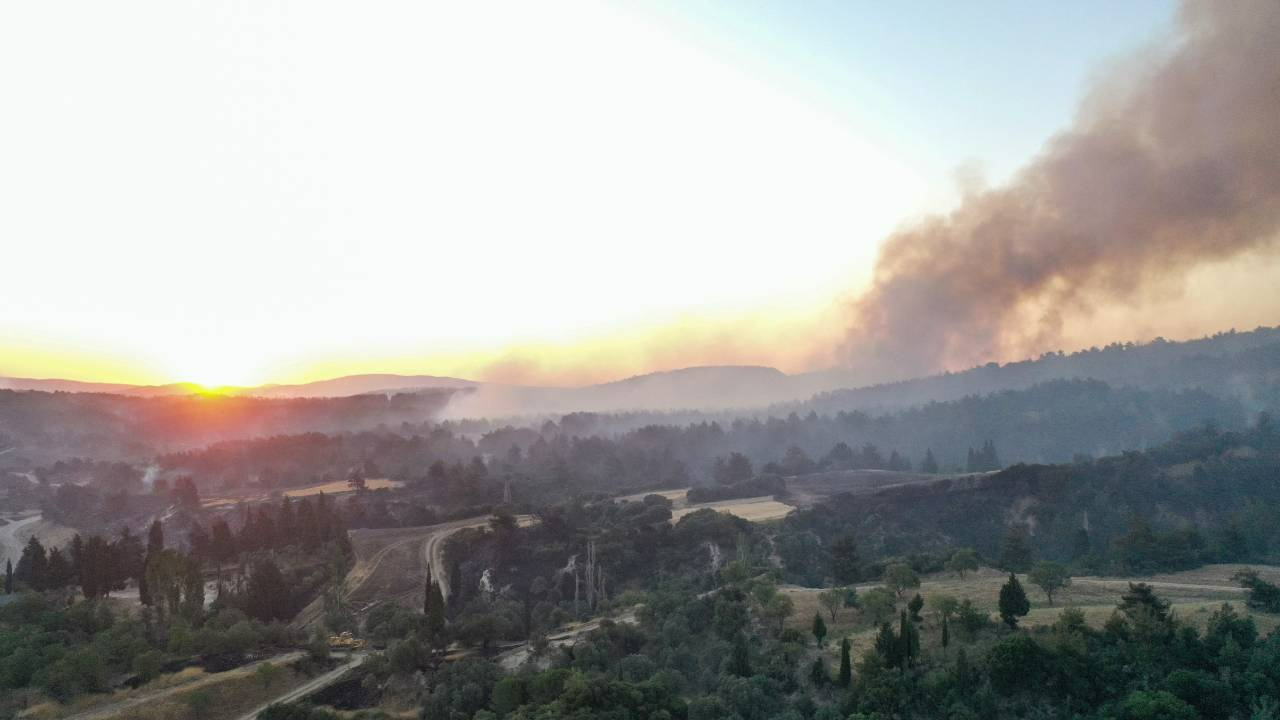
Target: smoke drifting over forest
{"type": "Point", "coordinates": [1171, 163]}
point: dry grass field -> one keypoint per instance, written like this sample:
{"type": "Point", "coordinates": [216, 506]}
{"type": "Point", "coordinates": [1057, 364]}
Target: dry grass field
{"type": "Point", "coordinates": [1194, 595]}
{"type": "Point", "coordinates": [180, 696]}
{"type": "Point", "coordinates": [756, 509]}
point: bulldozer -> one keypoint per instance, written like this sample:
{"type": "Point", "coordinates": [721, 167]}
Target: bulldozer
{"type": "Point", "coordinates": [345, 641]}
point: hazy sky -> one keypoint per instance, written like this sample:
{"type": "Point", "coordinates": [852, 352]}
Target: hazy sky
{"type": "Point", "coordinates": [235, 192]}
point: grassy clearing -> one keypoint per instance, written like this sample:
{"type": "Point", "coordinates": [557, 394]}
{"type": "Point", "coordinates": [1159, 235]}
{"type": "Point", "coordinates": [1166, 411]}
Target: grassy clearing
{"type": "Point", "coordinates": [756, 509]}
{"type": "Point", "coordinates": [341, 486]}
{"type": "Point", "coordinates": [178, 696]}
{"type": "Point", "coordinates": [1194, 595]}
{"type": "Point", "coordinates": [759, 509]}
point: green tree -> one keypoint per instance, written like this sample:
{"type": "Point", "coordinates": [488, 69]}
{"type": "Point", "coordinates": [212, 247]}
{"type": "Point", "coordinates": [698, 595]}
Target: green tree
{"type": "Point", "coordinates": [915, 606]}
{"type": "Point", "coordinates": [899, 577]}
{"type": "Point", "coordinates": [267, 674]}
{"type": "Point", "coordinates": [1050, 577]}
{"type": "Point", "coordinates": [908, 640]}
{"type": "Point", "coordinates": [1013, 601]}
{"type": "Point", "coordinates": [8, 577]}
{"type": "Point", "coordinates": [267, 596]}
{"type": "Point", "coordinates": [946, 631]}
{"type": "Point", "coordinates": [33, 565]}
{"type": "Point", "coordinates": [962, 561]}
{"type": "Point", "coordinates": [846, 665]}
{"type": "Point", "coordinates": [819, 629]}
{"type": "Point", "coordinates": [147, 665]}
{"type": "Point", "coordinates": [878, 604]}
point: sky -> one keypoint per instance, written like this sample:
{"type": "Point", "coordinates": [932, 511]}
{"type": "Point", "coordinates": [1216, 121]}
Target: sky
{"type": "Point", "coordinates": [249, 192]}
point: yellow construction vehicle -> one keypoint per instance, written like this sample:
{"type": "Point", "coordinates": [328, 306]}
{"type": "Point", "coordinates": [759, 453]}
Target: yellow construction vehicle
{"type": "Point", "coordinates": [345, 641]}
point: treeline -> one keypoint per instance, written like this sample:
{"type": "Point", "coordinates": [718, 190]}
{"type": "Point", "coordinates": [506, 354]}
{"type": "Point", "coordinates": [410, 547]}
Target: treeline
{"type": "Point", "coordinates": [1207, 495]}
{"type": "Point", "coordinates": [581, 453]}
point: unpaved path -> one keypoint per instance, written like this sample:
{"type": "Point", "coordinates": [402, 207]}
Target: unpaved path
{"type": "Point", "coordinates": [512, 659]}
{"type": "Point", "coordinates": [367, 564]}
{"type": "Point", "coordinates": [311, 686]}
{"type": "Point", "coordinates": [1157, 584]}
{"type": "Point", "coordinates": [11, 541]}
{"type": "Point", "coordinates": [111, 709]}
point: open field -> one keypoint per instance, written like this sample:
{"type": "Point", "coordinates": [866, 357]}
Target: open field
{"type": "Point", "coordinates": [341, 486]}
{"type": "Point", "coordinates": [336, 487]}
{"type": "Point", "coordinates": [167, 695]}
{"type": "Point", "coordinates": [756, 509]}
{"type": "Point", "coordinates": [1194, 595]}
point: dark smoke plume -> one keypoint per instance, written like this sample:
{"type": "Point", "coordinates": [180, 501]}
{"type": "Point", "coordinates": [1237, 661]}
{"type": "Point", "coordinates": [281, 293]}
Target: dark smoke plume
{"type": "Point", "coordinates": [1175, 164]}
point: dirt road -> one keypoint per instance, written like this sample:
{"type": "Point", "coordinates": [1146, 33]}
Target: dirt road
{"type": "Point", "coordinates": [112, 709]}
{"type": "Point", "coordinates": [311, 686]}
{"type": "Point", "coordinates": [381, 556]}
{"type": "Point", "coordinates": [11, 540]}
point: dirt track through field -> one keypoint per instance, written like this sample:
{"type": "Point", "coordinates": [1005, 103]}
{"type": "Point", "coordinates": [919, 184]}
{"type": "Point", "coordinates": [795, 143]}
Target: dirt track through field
{"type": "Point", "coordinates": [112, 709]}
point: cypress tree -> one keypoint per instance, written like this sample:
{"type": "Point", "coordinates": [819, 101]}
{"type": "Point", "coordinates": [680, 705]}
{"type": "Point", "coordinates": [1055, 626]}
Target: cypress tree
{"type": "Point", "coordinates": [740, 659]}
{"type": "Point", "coordinates": [846, 665]}
{"type": "Point", "coordinates": [8, 577]}
{"type": "Point", "coordinates": [819, 629]}
{"type": "Point", "coordinates": [1013, 601]}
{"type": "Point", "coordinates": [946, 632]}
{"type": "Point", "coordinates": [455, 584]}
{"type": "Point", "coordinates": [915, 606]}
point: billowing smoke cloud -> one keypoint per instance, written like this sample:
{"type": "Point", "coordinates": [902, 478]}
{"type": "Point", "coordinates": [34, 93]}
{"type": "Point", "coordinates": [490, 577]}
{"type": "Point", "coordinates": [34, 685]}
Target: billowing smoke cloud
{"type": "Point", "coordinates": [1174, 164]}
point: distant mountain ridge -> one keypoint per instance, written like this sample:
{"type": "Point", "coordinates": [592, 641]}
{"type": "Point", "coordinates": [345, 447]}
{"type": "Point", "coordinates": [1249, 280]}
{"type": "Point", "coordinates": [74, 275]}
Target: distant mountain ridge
{"type": "Point", "coordinates": [742, 387]}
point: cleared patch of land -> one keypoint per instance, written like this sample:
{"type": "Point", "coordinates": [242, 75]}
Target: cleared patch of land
{"type": "Point", "coordinates": [1194, 596]}
{"type": "Point", "coordinates": [341, 486]}
{"type": "Point", "coordinates": [808, 490]}
{"type": "Point", "coordinates": [168, 696]}
{"type": "Point", "coordinates": [756, 509]}
{"type": "Point", "coordinates": [336, 487]}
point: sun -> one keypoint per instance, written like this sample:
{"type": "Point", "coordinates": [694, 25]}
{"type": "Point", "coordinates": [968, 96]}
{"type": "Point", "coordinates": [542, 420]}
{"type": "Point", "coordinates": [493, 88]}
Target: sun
{"type": "Point", "coordinates": [213, 368]}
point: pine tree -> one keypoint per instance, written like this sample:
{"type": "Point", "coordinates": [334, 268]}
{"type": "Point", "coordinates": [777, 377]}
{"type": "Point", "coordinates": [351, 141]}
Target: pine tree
{"type": "Point", "coordinates": [1013, 601]}
{"type": "Point", "coordinates": [846, 665]}
{"type": "Point", "coordinates": [819, 629]}
{"type": "Point", "coordinates": [33, 565]}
